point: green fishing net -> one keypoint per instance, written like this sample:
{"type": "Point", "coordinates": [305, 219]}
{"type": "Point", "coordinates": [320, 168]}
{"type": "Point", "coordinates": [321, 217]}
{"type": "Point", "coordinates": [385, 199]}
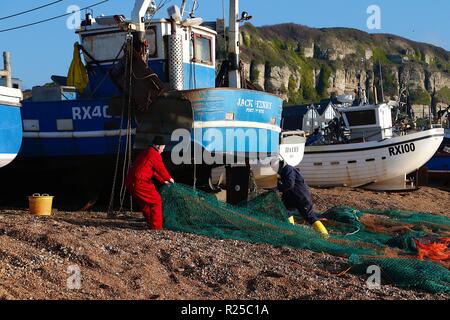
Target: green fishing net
{"type": "Point", "coordinates": [382, 238]}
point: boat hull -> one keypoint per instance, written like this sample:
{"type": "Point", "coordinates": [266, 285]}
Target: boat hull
{"type": "Point", "coordinates": [219, 120]}
{"type": "Point", "coordinates": [10, 125]}
{"type": "Point", "coordinates": [68, 147]}
{"type": "Point", "coordinates": [70, 129]}
{"type": "Point", "coordinates": [78, 139]}
{"type": "Point", "coordinates": [364, 164]}
{"type": "Point", "coordinates": [440, 163]}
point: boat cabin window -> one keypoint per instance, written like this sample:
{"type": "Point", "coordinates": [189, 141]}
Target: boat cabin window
{"type": "Point", "coordinates": [361, 118]}
{"type": "Point", "coordinates": [202, 49]}
{"type": "Point", "coordinates": [150, 36]}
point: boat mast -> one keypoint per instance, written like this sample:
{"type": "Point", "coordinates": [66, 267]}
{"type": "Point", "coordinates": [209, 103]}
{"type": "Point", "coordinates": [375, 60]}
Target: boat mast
{"type": "Point", "coordinates": [7, 71]}
{"type": "Point", "coordinates": [233, 46]}
{"type": "Point", "coordinates": [194, 7]}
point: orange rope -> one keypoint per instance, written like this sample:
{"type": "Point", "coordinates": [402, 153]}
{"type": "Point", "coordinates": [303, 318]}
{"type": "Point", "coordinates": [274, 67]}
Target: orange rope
{"type": "Point", "coordinates": [434, 251]}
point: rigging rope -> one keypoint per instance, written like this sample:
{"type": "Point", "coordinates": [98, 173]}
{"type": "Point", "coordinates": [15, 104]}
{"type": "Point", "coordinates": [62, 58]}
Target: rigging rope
{"type": "Point", "coordinates": [106, 75]}
{"type": "Point", "coordinates": [53, 18]}
{"type": "Point", "coordinates": [30, 10]}
{"type": "Point", "coordinates": [128, 149]}
{"type": "Point", "coordinates": [129, 45]}
{"type": "Point", "coordinates": [161, 4]}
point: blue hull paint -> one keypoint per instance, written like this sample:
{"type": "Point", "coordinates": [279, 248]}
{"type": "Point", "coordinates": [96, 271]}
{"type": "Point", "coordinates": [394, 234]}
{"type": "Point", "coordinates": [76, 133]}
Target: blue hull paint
{"type": "Point", "coordinates": [441, 160]}
{"type": "Point", "coordinates": [100, 83]}
{"type": "Point", "coordinates": [246, 105]}
{"type": "Point", "coordinates": [10, 129]}
{"type": "Point", "coordinates": [439, 163]}
{"type": "Point", "coordinates": [198, 76]}
{"type": "Point", "coordinates": [86, 116]}
{"type": "Point", "coordinates": [254, 107]}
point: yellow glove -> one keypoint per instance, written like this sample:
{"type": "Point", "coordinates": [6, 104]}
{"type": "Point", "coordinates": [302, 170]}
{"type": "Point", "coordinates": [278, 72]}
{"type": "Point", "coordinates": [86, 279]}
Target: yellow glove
{"type": "Point", "coordinates": [319, 227]}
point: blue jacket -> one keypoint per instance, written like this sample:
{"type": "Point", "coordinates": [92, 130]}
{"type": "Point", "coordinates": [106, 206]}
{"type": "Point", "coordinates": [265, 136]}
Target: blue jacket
{"type": "Point", "coordinates": [296, 193]}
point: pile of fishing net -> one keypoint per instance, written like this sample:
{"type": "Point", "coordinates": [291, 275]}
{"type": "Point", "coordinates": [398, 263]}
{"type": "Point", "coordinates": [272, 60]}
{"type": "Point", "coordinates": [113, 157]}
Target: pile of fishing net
{"type": "Point", "coordinates": [410, 248]}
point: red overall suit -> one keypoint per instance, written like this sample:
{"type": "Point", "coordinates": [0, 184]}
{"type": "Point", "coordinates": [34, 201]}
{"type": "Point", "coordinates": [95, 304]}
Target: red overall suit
{"type": "Point", "coordinates": [139, 182]}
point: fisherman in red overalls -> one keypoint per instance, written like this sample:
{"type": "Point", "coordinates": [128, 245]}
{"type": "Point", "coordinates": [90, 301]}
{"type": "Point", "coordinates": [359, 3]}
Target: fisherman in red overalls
{"type": "Point", "coordinates": [140, 183]}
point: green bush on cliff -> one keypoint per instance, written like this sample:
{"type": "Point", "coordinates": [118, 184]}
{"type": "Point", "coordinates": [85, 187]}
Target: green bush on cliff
{"type": "Point", "coordinates": [308, 91]}
{"type": "Point", "coordinates": [294, 94]}
{"type": "Point", "coordinates": [390, 83]}
{"type": "Point", "coordinates": [420, 96]}
{"type": "Point", "coordinates": [380, 56]}
{"type": "Point", "coordinates": [246, 38]}
{"type": "Point", "coordinates": [443, 95]}
{"type": "Point", "coordinates": [254, 72]}
{"type": "Point", "coordinates": [324, 81]}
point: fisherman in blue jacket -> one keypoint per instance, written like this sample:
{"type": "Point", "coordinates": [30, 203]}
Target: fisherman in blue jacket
{"type": "Point", "coordinates": [296, 195]}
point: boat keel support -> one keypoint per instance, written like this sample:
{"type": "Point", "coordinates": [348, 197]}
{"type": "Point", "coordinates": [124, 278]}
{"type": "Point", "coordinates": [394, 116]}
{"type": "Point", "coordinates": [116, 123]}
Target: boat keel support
{"type": "Point", "coordinates": [237, 183]}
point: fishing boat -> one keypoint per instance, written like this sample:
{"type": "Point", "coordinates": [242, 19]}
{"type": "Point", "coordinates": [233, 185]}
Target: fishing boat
{"type": "Point", "coordinates": [10, 121]}
{"type": "Point", "coordinates": [361, 149]}
{"type": "Point", "coordinates": [145, 77]}
{"type": "Point", "coordinates": [439, 165]}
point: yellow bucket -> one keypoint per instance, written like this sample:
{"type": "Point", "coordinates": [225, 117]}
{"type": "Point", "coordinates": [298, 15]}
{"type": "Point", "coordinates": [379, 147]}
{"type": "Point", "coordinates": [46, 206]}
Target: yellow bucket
{"type": "Point", "coordinates": [40, 205]}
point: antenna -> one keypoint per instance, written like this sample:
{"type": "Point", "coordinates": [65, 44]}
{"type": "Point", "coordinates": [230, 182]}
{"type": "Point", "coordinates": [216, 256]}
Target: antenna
{"type": "Point", "coordinates": [183, 7]}
{"type": "Point", "coordinates": [234, 76]}
{"type": "Point", "coordinates": [194, 7]}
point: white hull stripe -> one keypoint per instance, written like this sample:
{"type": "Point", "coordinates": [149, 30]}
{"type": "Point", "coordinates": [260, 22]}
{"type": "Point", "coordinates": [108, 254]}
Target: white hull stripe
{"type": "Point", "coordinates": [10, 96]}
{"type": "Point", "coordinates": [77, 134]}
{"type": "Point", "coordinates": [9, 102]}
{"type": "Point", "coordinates": [113, 133]}
{"type": "Point", "coordinates": [7, 156]}
{"type": "Point", "coordinates": [235, 124]}
{"type": "Point", "coordinates": [359, 147]}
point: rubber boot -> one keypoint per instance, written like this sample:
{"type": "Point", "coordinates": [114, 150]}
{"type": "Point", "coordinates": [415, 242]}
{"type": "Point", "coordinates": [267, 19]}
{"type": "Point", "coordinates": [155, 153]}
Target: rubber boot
{"type": "Point", "coordinates": [320, 228]}
{"type": "Point", "coordinates": [291, 220]}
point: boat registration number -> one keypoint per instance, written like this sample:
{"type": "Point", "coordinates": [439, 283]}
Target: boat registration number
{"type": "Point", "coordinates": [401, 149]}
{"type": "Point", "coordinates": [90, 112]}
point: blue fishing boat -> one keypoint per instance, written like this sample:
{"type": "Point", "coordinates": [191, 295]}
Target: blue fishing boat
{"type": "Point", "coordinates": [10, 124]}
{"type": "Point", "coordinates": [439, 166]}
{"type": "Point", "coordinates": [10, 121]}
{"type": "Point", "coordinates": [144, 77]}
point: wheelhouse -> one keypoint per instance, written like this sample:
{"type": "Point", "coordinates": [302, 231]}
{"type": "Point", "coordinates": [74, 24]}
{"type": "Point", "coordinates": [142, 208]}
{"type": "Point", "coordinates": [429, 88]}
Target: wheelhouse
{"type": "Point", "coordinates": [368, 122]}
{"type": "Point", "coordinates": [102, 41]}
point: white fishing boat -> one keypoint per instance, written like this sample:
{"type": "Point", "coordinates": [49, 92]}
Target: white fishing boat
{"type": "Point", "coordinates": [363, 151]}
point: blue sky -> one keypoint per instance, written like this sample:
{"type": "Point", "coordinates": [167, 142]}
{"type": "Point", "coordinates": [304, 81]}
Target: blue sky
{"type": "Point", "coordinates": [43, 50]}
